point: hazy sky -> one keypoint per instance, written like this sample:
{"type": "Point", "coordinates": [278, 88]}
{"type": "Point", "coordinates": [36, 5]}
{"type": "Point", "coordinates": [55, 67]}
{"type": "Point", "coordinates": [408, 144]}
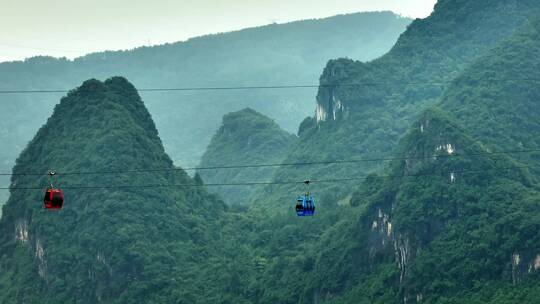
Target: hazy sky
{"type": "Point", "coordinates": [74, 27]}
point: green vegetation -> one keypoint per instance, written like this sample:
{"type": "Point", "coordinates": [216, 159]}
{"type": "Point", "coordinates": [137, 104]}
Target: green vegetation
{"type": "Point", "coordinates": [450, 224]}
{"type": "Point", "coordinates": [245, 137]}
{"type": "Point", "coordinates": [126, 245]}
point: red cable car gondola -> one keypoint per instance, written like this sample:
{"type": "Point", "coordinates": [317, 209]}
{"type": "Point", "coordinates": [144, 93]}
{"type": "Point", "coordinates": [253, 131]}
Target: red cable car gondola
{"type": "Point", "coordinates": [54, 198]}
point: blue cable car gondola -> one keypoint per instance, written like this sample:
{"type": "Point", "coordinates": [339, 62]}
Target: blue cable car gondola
{"type": "Point", "coordinates": [305, 204]}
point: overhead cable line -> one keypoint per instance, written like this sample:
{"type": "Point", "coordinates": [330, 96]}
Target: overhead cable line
{"type": "Point", "coordinates": [338, 180]}
{"type": "Point", "coordinates": [310, 163]}
{"type": "Point", "coordinates": [220, 88]}
{"type": "Point", "coordinates": [273, 87]}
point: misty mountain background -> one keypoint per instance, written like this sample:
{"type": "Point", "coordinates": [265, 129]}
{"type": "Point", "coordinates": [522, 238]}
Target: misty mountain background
{"type": "Point", "coordinates": [276, 54]}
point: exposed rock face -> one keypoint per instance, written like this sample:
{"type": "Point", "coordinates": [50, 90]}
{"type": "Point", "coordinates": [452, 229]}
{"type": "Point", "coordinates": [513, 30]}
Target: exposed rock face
{"type": "Point", "coordinates": [329, 106]}
{"type": "Point", "coordinates": [21, 231]}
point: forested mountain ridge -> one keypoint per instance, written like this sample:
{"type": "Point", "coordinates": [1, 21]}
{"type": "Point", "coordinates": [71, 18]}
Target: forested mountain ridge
{"type": "Point", "coordinates": [245, 137]}
{"type": "Point", "coordinates": [497, 98]}
{"type": "Point", "coordinates": [446, 224]}
{"type": "Point", "coordinates": [431, 52]}
{"type": "Point", "coordinates": [112, 245]}
{"type": "Point", "coordinates": [465, 230]}
{"type": "Point", "coordinates": [363, 109]}
{"type": "Point", "coordinates": [451, 224]}
{"type": "Point", "coordinates": [398, 239]}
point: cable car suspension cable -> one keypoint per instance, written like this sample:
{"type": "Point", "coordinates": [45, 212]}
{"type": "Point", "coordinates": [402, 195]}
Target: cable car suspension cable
{"type": "Point", "coordinates": [311, 163]}
{"type": "Point", "coordinates": [273, 87]}
{"type": "Point", "coordinates": [77, 187]}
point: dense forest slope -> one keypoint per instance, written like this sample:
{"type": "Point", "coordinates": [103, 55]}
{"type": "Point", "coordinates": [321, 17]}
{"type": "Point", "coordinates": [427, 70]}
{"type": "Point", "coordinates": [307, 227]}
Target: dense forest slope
{"type": "Point", "coordinates": [441, 227]}
{"type": "Point", "coordinates": [363, 109]}
{"type": "Point", "coordinates": [277, 54]}
{"type": "Point", "coordinates": [121, 245]}
{"type": "Point", "coordinates": [245, 137]}
{"type": "Point", "coordinates": [444, 224]}
{"type": "Point", "coordinates": [451, 224]}
{"type": "Point", "coordinates": [497, 99]}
